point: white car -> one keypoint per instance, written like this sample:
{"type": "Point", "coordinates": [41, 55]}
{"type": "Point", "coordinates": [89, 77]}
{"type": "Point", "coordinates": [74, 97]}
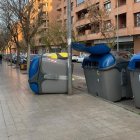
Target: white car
{"type": "Point", "coordinates": [74, 58]}
{"type": "Point", "coordinates": [81, 57]}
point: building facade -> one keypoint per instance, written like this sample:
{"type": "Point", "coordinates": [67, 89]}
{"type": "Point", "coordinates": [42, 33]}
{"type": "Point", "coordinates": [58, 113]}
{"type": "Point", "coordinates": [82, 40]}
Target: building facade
{"type": "Point", "coordinates": [49, 13]}
{"type": "Point", "coordinates": [124, 12]}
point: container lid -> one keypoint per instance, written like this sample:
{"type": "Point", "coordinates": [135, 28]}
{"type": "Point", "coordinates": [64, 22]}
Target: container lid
{"type": "Point", "coordinates": [100, 49]}
{"type": "Point", "coordinates": [100, 62]}
{"type": "Point", "coordinates": [78, 47]}
{"type": "Point", "coordinates": [134, 62]}
{"type": "Point", "coordinates": [34, 66]}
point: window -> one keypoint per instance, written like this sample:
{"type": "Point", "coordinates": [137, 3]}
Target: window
{"type": "Point", "coordinates": [80, 1]}
{"type": "Point", "coordinates": [107, 6]}
{"type": "Point", "coordinates": [121, 20]}
{"type": "Point", "coordinates": [64, 10]}
{"type": "Point", "coordinates": [81, 14]}
{"type": "Point", "coordinates": [121, 2]}
{"type": "Point", "coordinates": [72, 20]}
{"type": "Point", "coordinates": [39, 40]}
{"type": "Point", "coordinates": [137, 19]}
{"type": "Point", "coordinates": [137, 0]}
{"type": "Point", "coordinates": [107, 25]}
{"type": "Point", "coordinates": [72, 6]}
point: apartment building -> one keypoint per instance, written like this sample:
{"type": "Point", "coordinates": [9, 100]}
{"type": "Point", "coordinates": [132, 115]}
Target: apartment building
{"type": "Point", "coordinates": [38, 44]}
{"type": "Point", "coordinates": [128, 12]}
{"type": "Point", "coordinates": [49, 13]}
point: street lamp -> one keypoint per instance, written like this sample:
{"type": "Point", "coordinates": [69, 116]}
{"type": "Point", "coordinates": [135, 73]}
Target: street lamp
{"type": "Point", "coordinates": [69, 36]}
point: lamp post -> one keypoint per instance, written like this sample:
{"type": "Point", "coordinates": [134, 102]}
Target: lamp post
{"type": "Point", "coordinates": [117, 25]}
{"type": "Point", "coordinates": [69, 36]}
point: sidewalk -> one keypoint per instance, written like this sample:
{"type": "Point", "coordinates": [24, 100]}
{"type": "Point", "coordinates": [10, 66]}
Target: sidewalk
{"type": "Point", "coordinates": [128, 104]}
{"type": "Point", "coordinates": [25, 116]}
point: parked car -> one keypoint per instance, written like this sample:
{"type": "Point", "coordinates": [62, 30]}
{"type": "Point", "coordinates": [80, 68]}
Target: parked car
{"type": "Point", "coordinates": [74, 58]}
{"type": "Point", "coordinates": [22, 59]}
{"type": "Point", "coordinates": [81, 57]}
{"type": "Point", "coordinates": [14, 58]}
{"type": "Point", "coordinates": [8, 57]}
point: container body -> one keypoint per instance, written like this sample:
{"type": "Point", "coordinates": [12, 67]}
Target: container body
{"type": "Point", "coordinates": [134, 68]}
{"type": "Point", "coordinates": [135, 83]}
{"type": "Point", "coordinates": [48, 75]}
{"type": "Point", "coordinates": [111, 82]}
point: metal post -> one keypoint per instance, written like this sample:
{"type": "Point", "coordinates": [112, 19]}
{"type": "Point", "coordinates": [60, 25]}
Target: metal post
{"type": "Point", "coordinates": [69, 35]}
{"type": "Point", "coordinates": [117, 25]}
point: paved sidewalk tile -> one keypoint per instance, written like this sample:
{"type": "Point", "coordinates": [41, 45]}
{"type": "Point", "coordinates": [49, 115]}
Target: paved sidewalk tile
{"type": "Point", "coordinates": [25, 116]}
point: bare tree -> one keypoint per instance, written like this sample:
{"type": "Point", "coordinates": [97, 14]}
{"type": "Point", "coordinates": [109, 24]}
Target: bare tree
{"type": "Point", "coordinates": [101, 23]}
{"type": "Point", "coordinates": [10, 22]}
{"type": "Point", "coordinates": [9, 45]}
{"type": "Point", "coordinates": [4, 38]}
{"type": "Point", "coordinates": [15, 33]}
{"type": "Point", "coordinates": [5, 41]}
{"type": "Point", "coordinates": [29, 18]}
{"type": "Point", "coordinates": [56, 35]}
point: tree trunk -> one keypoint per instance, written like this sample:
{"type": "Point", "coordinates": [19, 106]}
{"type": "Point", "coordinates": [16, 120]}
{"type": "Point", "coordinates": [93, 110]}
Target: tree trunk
{"type": "Point", "coordinates": [28, 57]}
{"type": "Point", "coordinates": [18, 57]}
{"type": "Point", "coordinates": [10, 56]}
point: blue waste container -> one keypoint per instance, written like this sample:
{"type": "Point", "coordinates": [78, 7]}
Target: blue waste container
{"type": "Point", "coordinates": [134, 67]}
{"type": "Point", "coordinates": [48, 75]}
{"type": "Point", "coordinates": [107, 76]}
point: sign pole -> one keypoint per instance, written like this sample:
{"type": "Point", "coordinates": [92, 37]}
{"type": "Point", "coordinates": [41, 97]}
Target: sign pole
{"type": "Point", "coordinates": [69, 40]}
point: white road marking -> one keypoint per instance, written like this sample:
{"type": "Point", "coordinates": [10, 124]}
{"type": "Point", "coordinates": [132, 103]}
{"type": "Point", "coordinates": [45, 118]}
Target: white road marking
{"type": "Point", "coordinates": [78, 77]}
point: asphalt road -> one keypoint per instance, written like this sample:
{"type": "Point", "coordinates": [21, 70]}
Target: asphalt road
{"type": "Point", "coordinates": [78, 70]}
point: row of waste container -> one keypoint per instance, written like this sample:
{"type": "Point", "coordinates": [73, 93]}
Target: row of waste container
{"type": "Point", "coordinates": [112, 78]}
{"type": "Point", "coordinates": [106, 76]}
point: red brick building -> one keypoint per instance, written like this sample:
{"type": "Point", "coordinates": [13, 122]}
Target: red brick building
{"type": "Point", "coordinates": [128, 12]}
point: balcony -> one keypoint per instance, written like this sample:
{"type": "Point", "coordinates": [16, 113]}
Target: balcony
{"type": "Point", "coordinates": [82, 22]}
{"type": "Point", "coordinates": [59, 7]}
{"type": "Point", "coordinates": [84, 30]}
{"type": "Point", "coordinates": [121, 3]}
{"type": "Point", "coordinates": [89, 36]}
{"type": "Point", "coordinates": [80, 7]}
{"type": "Point", "coordinates": [82, 17]}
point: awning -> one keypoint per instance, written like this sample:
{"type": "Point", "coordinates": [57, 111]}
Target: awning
{"type": "Point", "coordinates": [121, 39]}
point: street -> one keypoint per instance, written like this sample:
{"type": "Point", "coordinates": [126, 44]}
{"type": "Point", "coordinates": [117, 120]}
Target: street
{"type": "Point", "coordinates": [78, 71]}
{"type": "Point", "coordinates": [79, 81]}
